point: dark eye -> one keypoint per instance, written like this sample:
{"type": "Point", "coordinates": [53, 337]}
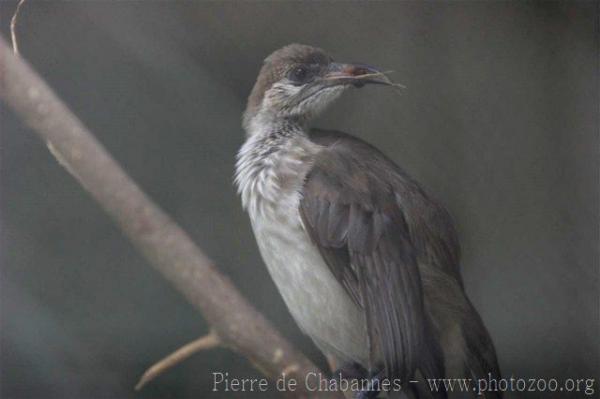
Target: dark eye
{"type": "Point", "coordinates": [300, 74]}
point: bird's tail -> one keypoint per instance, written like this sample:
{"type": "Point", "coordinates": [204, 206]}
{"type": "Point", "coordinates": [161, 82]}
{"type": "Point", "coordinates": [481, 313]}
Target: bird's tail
{"type": "Point", "coordinates": [481, 362]}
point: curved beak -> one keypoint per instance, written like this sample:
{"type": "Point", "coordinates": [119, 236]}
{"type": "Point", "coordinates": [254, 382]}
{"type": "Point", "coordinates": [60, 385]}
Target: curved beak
{"type": "Point", "coordinates": [355, 74]}
{"type": "Point", "coordinates": [338, 74]}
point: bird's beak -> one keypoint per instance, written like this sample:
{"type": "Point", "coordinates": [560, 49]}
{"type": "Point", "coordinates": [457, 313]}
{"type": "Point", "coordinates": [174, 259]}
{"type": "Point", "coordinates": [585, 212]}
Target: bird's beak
{"type": "Point", "coordinates": [355, 74]}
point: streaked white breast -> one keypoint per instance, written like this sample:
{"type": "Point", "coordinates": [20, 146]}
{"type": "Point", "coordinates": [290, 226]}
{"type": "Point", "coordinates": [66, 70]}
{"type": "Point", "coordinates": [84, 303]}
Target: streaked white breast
{"type": "Point", "coordinates": [270, 183]}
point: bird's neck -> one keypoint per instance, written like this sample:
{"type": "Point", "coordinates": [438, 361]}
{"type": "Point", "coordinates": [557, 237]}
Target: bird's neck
{"type": "Point", "coordinates": [275, 151]}
{"type": "Point", "coordinates": [268, 124]}
{"type": "Point", "coordinates": [268, 138]}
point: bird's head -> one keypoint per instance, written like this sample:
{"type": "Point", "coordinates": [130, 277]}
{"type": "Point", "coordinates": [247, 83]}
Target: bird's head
{"type": "Point", "coordinates": [299, 81]}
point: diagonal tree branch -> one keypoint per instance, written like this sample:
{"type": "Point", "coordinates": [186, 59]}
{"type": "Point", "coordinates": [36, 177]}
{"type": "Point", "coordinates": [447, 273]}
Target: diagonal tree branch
{"type": "Point", "coordinates": [164, 244]}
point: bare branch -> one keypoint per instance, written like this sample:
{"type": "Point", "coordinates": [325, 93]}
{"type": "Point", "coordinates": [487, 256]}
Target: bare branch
{"type": "Point", "coordinates": [164, 244]}
{"type": "Point", "coordinates": [208, 341]}
{"type": "Point", "coordinates": [13, 27]}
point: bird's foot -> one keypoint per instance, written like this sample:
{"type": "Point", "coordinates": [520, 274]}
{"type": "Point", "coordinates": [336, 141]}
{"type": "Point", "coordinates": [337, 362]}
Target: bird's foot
{"type": "Point", "coordinates": [373, 387]}
{"type": "Point", "coordinates": [354, 371]}
{"type": "Point", "coordinates": [350, 371]}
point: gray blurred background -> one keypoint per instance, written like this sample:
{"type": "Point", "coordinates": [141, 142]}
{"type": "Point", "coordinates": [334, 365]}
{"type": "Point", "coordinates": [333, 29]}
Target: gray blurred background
{"type": "Point", "coordinates": [499, 120]}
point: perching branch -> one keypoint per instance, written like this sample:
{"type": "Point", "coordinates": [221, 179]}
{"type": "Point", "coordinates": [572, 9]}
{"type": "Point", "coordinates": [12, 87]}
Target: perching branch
{"type": "Point", "coordinates": [164, 244]}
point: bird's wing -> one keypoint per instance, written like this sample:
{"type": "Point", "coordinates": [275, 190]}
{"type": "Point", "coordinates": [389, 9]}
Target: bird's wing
{"type": "Point", "coordinates": [351, 210]}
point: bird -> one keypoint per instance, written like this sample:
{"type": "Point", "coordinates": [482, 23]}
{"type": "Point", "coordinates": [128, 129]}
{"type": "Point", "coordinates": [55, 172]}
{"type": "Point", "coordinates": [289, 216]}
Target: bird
{"type": "Point", "coordinates": [366, 261]}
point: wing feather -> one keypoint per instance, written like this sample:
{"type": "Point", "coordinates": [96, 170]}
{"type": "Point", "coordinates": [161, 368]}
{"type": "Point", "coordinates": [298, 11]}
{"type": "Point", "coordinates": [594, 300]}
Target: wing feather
{"type": "Point", "coordinates": [350, 210]}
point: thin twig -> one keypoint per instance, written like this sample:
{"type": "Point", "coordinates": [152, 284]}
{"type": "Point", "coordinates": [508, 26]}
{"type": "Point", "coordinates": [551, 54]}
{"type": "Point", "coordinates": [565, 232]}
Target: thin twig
{"type": "Point", "coordinates": [208, 341]}
{"type": "Point", "coordinates": [163, 243]}
{"type": "Point", "coordinates": [13, 25]}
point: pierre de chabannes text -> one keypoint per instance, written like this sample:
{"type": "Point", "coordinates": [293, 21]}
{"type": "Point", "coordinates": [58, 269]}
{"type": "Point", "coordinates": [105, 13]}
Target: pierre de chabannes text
{"type": "Point", "coordinates": [317, 382]}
